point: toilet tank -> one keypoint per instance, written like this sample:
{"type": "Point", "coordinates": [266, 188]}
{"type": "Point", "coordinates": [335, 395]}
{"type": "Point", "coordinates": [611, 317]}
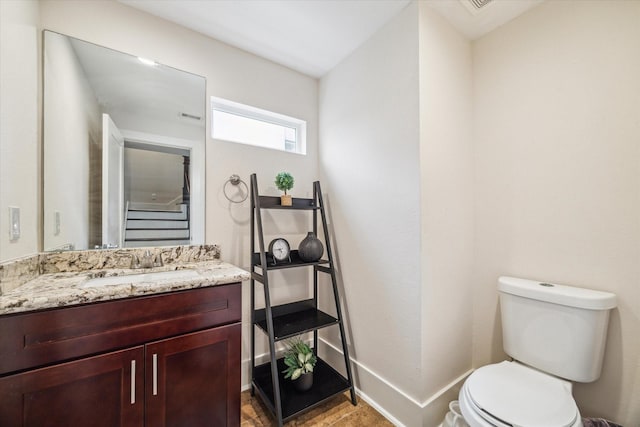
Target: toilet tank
{"type": "Point", "coordinates": [557, 329]}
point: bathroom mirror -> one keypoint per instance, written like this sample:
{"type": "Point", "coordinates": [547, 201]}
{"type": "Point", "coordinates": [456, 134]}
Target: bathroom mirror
{"type": "Point", "coordinates": [123, 150]}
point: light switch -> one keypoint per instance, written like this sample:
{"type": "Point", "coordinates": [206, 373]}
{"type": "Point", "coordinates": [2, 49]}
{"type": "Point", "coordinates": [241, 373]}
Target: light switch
{"type": "Point", "coordinates": [56, 223]}
{"type": "Point", "coordinates": [14, 223]}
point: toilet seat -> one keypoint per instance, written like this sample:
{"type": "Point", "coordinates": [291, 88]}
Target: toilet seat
{"type": "Point", "coordinates": [511, 394]}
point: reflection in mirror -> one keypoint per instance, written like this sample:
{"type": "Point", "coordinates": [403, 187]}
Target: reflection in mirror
{"type": "Point", "coordinates": [123, 149]}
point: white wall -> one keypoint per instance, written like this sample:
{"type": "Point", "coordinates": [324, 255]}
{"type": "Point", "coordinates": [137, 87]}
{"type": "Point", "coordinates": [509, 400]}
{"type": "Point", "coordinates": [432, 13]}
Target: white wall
{"type": "Point", "coordinates": [19, 121]}
{"type": "Point", "coordinates": [147, 123]}
{"type": "Point", "coordinates": [557, 131]}
{"type": "Point", "coordinates": [447, 219]}
{"type": "Point", "coordinates": [370, 160]}
{"type": "Point", "coordinates": [397, 161]}
{"type": "Point", "coordinates": [152, 177]}
{"type": "Point", "coordinates": [233, 74]}
{"type": "Point", "coordinates": [72, 122]}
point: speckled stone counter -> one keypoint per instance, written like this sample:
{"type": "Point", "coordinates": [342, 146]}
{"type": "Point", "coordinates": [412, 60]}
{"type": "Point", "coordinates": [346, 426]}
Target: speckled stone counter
{"type": "Point", "coordinates": [60, 279]}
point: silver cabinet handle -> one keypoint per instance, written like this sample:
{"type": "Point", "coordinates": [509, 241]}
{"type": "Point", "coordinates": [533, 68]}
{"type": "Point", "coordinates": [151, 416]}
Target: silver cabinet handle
{"type": "Point", "coordinates": [133, 382]}
{"type": "Point", "coordinates": [155, 374]}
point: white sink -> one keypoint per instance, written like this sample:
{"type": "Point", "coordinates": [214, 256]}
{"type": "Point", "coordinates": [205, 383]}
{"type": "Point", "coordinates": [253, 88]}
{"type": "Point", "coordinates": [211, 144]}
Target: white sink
{"type": "Point", "coordinates": [141, 278]}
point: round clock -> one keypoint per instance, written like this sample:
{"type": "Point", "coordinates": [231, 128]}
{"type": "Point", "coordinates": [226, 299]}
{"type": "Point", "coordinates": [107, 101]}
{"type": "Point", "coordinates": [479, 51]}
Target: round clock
{"type": "Point", "coordinates": [280, 250]}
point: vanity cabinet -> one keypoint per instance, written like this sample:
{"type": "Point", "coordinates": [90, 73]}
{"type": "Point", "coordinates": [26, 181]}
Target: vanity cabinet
{"type": "Point", "coordinates": [96, 391]}
{"type": "Point", "coordinates": [163, 360]}
{"type": "Point", "coordinates": [194, 379]}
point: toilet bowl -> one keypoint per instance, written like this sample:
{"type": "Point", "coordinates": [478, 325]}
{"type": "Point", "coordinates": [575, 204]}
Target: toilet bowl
{"type": "Point", "coordinates": [555, 334]}
{"type": "Point", "coordinates": [509, 394]}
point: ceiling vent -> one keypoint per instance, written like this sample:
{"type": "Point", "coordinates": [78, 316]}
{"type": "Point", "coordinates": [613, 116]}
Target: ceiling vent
{"type": "Point", "coordinates": [476, 6]}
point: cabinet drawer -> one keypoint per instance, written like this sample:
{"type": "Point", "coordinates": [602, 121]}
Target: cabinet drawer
{"type": "Point", "coordinates": [40, 338]}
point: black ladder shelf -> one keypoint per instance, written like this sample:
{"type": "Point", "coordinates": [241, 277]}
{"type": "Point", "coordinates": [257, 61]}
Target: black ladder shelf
{"type": "Point", "coordinates": [280, 322]}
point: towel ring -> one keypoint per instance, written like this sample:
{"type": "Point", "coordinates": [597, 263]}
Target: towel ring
{"type": "Point", "coordinates": [235, 180]}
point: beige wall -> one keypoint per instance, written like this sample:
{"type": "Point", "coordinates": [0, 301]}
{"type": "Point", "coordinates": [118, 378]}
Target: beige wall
{"type": "Point", "coordinates": [369, 163]}
{"type": "Point", "coordinates": [396, 125]}
{"type": "Point", "coordinates": [72, 120]}
{"type": "Point", "coordinates": [557, 131]}
{"type": "Point", "coordinates": [19, 124]}
{"type": "Point", "coordinates": [153, 178]}
{"type": "Point", "coordinates": [446, 188]}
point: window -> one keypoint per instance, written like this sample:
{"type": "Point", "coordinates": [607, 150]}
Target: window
{"type": "Point", "coordinates": [244, 124]}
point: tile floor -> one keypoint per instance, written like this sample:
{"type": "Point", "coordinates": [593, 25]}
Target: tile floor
{"type": "Point", "coordinates": [337, 412]}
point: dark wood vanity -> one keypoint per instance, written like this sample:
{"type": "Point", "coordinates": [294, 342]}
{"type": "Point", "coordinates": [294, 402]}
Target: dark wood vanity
{"type": "Point", "coordinates": [169, 359]}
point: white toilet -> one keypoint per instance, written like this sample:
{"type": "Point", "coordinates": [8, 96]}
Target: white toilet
{"type": "Point", "coordinates": [555, 334]}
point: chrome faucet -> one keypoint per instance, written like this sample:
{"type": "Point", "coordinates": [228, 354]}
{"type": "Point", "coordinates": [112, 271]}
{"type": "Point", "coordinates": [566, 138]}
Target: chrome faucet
{"type": "Point", "coordinates": [148, 260]}
{"type": "Point", "coordinates": [104, 246]}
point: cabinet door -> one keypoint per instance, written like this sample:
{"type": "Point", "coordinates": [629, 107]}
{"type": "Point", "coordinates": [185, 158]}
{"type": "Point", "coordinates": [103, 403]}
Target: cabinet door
{"type": "Point", "coordinates": [194, 380]}
{"type": "Point", "coordinates": [105, 390]}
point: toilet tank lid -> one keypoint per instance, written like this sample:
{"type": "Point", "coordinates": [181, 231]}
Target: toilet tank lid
{"type": "Point", "coordinates": [558, 294]}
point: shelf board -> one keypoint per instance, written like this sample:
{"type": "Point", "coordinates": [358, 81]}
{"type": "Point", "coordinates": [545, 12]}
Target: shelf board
{"type": "Point", "coordinates": [273, 202]}
{"type": "Point", "coordinates": [327, 382]}
{"type": "Point", "coordinates": [295, 261]}
{"type": "Point", "coordinates": [293, 319]}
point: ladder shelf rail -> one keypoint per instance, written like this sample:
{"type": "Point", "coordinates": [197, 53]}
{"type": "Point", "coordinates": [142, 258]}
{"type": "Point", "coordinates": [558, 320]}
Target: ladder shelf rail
{"type": "Point", "coordinates": [283, 321]}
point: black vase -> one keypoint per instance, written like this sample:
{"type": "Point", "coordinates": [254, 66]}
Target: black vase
{"type": "Point", "coordinates": [303, 382]}
{"type": "Point", "coordinates": [311, 248]}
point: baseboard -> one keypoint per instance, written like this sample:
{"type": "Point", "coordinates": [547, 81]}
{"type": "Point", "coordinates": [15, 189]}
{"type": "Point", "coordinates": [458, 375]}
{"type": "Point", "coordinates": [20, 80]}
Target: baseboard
{"type": "Point", "coordinates": [393, 403]}
{"type": "Point", "coordinates": [390, 401]}
{"type": "Point", "coordinates": [245, 379]}
{"type": "Point", "coordinates": [436, 407]}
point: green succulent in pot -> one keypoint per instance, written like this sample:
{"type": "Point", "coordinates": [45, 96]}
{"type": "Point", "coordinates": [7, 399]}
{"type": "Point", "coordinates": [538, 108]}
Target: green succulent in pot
{"type": "Point", "coordinates": [300, 361]}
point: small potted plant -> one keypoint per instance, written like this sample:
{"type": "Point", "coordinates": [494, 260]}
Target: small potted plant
{"type": "Point", "coordinates": [300, 361]}
{"type": "Point", "coordinates": [284, 182]}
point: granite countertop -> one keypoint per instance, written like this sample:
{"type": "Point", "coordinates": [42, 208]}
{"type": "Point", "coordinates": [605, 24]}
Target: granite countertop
{"type": "Point", "coordinates": [68, 288]}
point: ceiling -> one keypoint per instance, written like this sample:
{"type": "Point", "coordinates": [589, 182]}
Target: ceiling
{"type": "Point", "coordinates": [475, 23]}
{"type": "Point", "coordinates": [125, 86]}
{"type": "Point", "coordinates": [313, 36]}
